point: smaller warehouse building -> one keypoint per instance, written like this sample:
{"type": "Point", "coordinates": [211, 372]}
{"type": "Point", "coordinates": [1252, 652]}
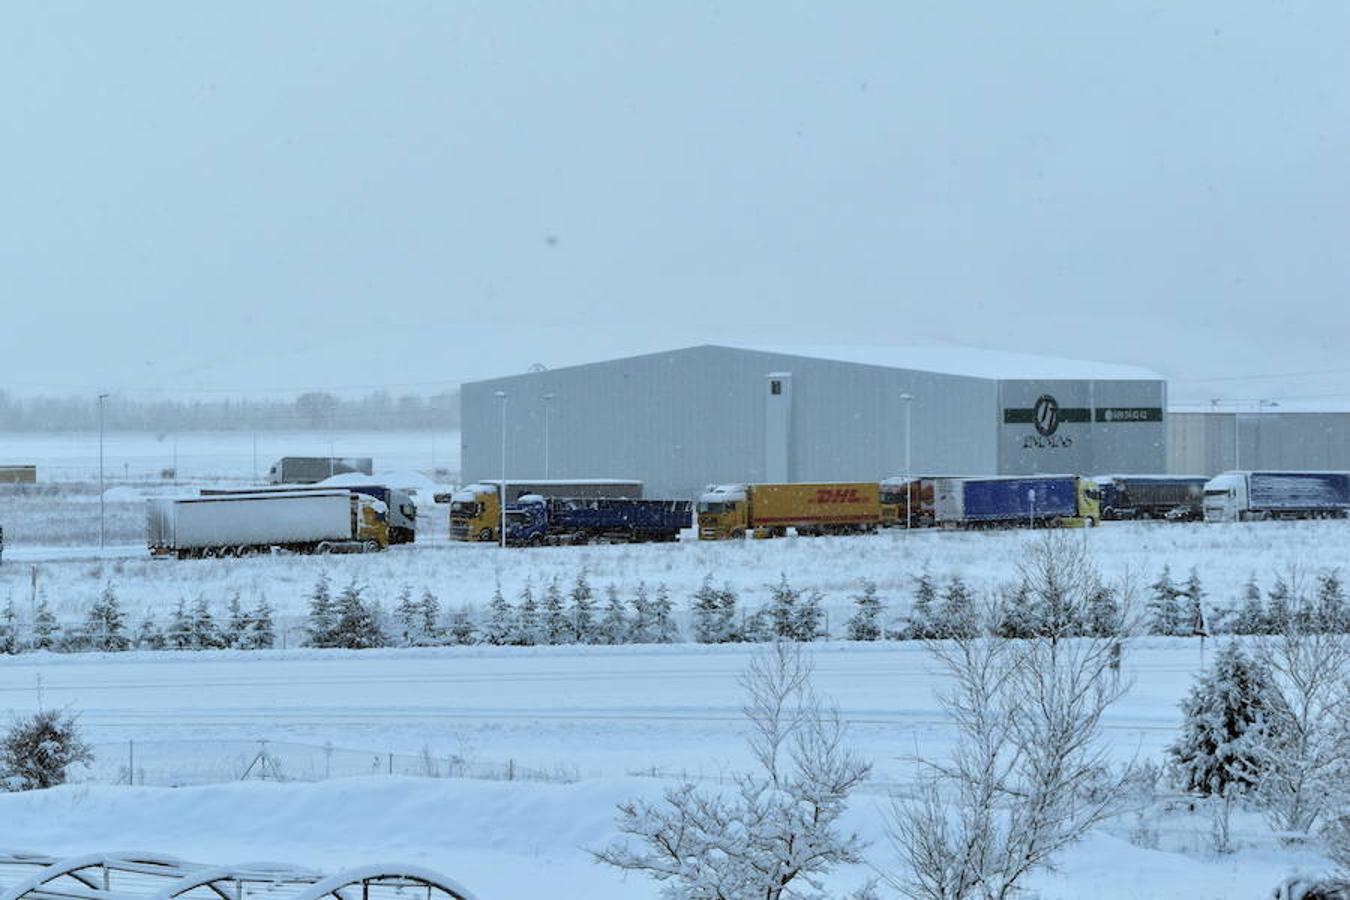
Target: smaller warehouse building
{"type": "Point", "coordinates": [1203, 440]}
{"type": "Point", "coordinates": [684, 419]}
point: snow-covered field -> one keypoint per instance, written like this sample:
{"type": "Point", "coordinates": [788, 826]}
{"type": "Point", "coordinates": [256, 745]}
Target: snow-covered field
{"type": "Point", "coordinates": [605, 713]}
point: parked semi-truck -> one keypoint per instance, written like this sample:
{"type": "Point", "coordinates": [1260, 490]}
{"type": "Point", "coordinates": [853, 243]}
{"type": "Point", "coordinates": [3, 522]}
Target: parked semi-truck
{"type": "Point", "coordinates": [1176, 497]}
{"type": "Point", "coordinates": [907, 502]}
{"type": "Point", "coordinates": [336, 521]}
{"type": "Point", "coordinates": [1031, 501]}
{"type": "Point", "coordinates": [769, 510]}
{"type": "Point", "coordinates": [313, 469]}
{"type": "Point", "coordinates": [535, 520]}
{"type": "Point", "coordinates": [1244, 496]}
{"type": "Point", "coordinates": [474, 508]}
{"type": "Point", "coordinates": [401, 512]}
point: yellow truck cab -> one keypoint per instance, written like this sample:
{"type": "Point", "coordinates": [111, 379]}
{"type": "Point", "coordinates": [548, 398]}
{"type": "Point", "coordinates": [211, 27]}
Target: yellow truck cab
{"type": "Point", "coordinates": [723, 513]}
{"type": "Point", "coordinates": [474, 513]}
{"type": "Point", "coordinates": [1089, 504]}
{"type": "Point", "coordinates": [370, 522]}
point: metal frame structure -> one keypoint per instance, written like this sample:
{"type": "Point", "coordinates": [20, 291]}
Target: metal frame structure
{"type": "Point", "coordinates": [154, 876]}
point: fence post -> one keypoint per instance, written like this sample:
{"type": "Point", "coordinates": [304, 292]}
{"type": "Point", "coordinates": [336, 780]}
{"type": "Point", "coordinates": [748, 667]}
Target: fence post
{"type": "Point", "coordinates": [391, 762]}
{"type": "Point", "coordinates": [131, 763]}
{"type": "Point", "coordinates": [510, 770]}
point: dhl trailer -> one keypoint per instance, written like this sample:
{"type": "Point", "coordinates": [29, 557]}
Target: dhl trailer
{"type": "Point", "coordinates": [768, 510]}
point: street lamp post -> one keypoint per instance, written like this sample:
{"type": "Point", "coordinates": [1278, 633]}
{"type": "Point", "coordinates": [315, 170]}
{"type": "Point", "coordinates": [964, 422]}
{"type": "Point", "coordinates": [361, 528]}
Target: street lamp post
{"type": "Point", "coordinates": [547, 398]}
{"type": "Point", "coordinates": [501, 488]}
{"type": "Point", "coordinates": [101, 510]}
{"type": "Point", "coordinates": [909, 486]}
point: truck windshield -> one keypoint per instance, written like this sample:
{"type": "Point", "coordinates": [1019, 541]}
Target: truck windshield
{"type": "Point", "coordinates": [1216, 493]}
{"type": "Point", "coordinates": [514, 517]}
{"type": "Point", "coordinates": [713, 508]}
{"type": "Point", "coordinates": [465, 508]}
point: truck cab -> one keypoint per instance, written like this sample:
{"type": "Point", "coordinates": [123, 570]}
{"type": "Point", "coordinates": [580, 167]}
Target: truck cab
{"type": "Point", "coordinates": [527, 520]}
{"type": "Point", "coordinates": [1089, 503]}
{"type": "Point", "coordinates": [1225, 497]}
{"type": "Point", "coordinates": [370, 522]}
{"type": "Point", "coordinates": [723, 512]}
{"type": "Point", "coordinates": [474, 513]}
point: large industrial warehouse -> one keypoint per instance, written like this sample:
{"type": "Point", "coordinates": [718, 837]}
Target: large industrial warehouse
{"type": "Point", "coordinates": [683, 419]}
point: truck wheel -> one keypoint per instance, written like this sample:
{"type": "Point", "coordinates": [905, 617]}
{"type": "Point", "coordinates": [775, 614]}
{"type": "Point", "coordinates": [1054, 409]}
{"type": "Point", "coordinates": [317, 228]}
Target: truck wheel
{"type": "Point", "coordinates": [536, 541]}
{"type": "Point", "coordinates": [324, 548]}
{"type": "Point", "coordinates": [370, 547]}
{"type": "Point", "coordinates": [209, 553]}
{"type": "Point", "coordinates": [485, 535]}
{"type": "Point", "coordinates": [738, 534]}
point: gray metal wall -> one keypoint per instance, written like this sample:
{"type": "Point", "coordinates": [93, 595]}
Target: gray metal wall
{"type": "Point", "coordinates": [688, 418]}
{"type": "Point", "coordinates": [1202, 443]}
{"type": "Point", "coordinates": [1102, 427]}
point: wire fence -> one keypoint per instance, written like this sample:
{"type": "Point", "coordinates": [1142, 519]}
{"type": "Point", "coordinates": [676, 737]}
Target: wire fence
{"type": "Point", "coordinates": [185, 763]}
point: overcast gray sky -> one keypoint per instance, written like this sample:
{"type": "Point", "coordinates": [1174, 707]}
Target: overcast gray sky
{"type": "Point", "coordinates": [280, 195]}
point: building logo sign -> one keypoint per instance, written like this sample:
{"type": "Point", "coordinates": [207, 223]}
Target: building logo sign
{"type": "Point", "coordinates": [1130, 414]}
{"type": "Point", "coordinates": [1045, 415]}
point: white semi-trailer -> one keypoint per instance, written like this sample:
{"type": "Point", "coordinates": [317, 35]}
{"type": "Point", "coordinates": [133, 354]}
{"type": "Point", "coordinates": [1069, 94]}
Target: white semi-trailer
{"type": "Point", "coordinates": [336, 521]}
{"type": "Point", "coordinates": [1253, 496]}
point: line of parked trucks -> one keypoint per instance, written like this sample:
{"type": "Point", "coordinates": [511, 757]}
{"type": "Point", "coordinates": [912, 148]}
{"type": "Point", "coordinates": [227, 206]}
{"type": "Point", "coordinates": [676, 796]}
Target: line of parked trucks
{"type": "Point", "coordinates": [368, 517]}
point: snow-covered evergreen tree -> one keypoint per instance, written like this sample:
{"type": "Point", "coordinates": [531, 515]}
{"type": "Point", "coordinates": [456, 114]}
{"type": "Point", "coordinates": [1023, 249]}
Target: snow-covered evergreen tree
{"type": "Point", "coordinates": [105, 625]}
{"type": "Point", "coordinates": [429, 613]}
{"type": "Point", "coordinates": [956, 617]}
{"type": "Point", "coordinates": [357, 626]}
{"type": "Point", "coordinates": [45, 631]}
{"type": "Point", "coordinates": [38, 750]}
{"type": "Point", "coordinates": [407, 619]}
{"type": "Point", "coordinates": [706, 610]}
{"type": "Point", "coordinates": [1251, 615]}
{"type": "Point", "coordinates": [261, 633]}
{"type": "Point", "coordinates": [865, 623]}
{"type": "Point", "coordinates": [1018, 617]}
{"type": "Point", "coordinates": [9, 629]}
{"type": "Point", "coordinates": [921, 618]}
{"type": "Point", "coordinates": [321, 614]}
{"type": "Point", "coordinates": [529, 628]}
{"type": "Point", "coordinates": [1193, 595]}
{"type": "Point", "coordinates": [555, 627]}
{"type": "Point", "coordinates": [179, 633]}
{"type": "Point", "coordinates": [641, 630]}
{"type": "Point", "coordinates": [236, 623]}
{"type": "Point", "coordinates": [1330, 614]}
{"type": "Point", "coordinates": [148, 635]}
{"type": "Point", "coordinates": [501, 623]}
{"type": "Point", "coordinates": [663, 627]}
{"type": "Point", "coordinates": [782, 609]}
{"type": "Point", "coordinates": [461, 630]}
{"type": "Point", "coordinates": [1165, 614]}
{"type": "Point", "coordinates": [203, 631]}
{"type": "Point", "coordinates": [614, 626]}
{"type": "Point", "coordinates": [582, 611]}
{"type": "Point", "coordinates": [1279, 605]}
{"type": "Point", "coordinates": [1225, 726]}
{"type": "Point", "coordinates": [1104, 615]}
{"type": "Point", "coordinates": [809, 624]}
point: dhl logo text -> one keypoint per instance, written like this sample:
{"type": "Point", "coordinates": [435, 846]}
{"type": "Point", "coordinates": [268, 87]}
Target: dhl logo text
{"type": "Point", "coordinates": [838, 495]}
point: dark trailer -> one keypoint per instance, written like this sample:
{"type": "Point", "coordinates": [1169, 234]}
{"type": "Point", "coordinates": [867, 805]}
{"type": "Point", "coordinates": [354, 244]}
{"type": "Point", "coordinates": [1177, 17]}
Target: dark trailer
{"type": "Point", "coordinates": [1176, 497]}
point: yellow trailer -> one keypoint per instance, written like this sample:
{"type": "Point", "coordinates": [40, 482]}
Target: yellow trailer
{"type": "Point", "coordinates": [769, 510]}
{"type": "Point", "coordinates": [18, 474]}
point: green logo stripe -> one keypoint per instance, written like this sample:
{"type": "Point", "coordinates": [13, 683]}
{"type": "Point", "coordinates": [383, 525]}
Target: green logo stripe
{"type": "Point", "coordinates": [1066, 414]}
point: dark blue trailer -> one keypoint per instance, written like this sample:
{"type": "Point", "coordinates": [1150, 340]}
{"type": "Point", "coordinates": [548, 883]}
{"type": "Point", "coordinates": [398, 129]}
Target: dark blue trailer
{"type": "Point", "coordinates": [536, 520]}
{"type": "Point", "coordinates": [1019, 501]}
{"type": "Point", "coordinates": [1175, 497]}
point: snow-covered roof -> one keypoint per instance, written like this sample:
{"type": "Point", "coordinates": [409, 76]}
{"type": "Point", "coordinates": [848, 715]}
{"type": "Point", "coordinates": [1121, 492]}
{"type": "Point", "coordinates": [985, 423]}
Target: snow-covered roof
{"type": "Point", "coordinates": [973, 362]}
{"type": "Point", "coordinates": [1252, 407]}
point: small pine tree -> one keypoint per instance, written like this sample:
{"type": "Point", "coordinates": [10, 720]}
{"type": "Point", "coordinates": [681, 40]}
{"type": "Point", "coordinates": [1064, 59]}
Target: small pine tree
{"type": "Point", "coordinates": [45, 632]}
{"type": "Point", "coordinates": [236, 623]}
{"type": "Point", "coordinates": [706, 609]}
{"type": "Point", "coordinates": [148, 635]}
{"type": "Point", "coordinates": [614, 626]}
{"type": "Point", "coordinates": [262, 632]}
{"type": "Point", "coordinates": [105, 624]}
{"type": "Point", "coordinates": [1018, 618]}
{"type": "Point", "coordinates": [727, 602]}
{"type": "Point", "coordinates": [357, 626]}
{"type": "Point", "coordinates": [555, 629]}
{"type": "Point", "coordinates": [501, 623]}
{"type": "Point", "coordinates": [205, 635]}
{"type": "Point", "coordinates": [429, 612]}
{"type": "Point", "coordinates": [1330, 614]}
{"type": "Point", "coordinates": [321, 615]}
{"type": "Point", "coordinates": [1279, 606]}
{"type": "Point", "coordinates": [758, 627]}
{"type": "Point", "coordinates": [1193, 595]}
{"type": "Point", "coordinates": [528, 628]}
{"type": "Point", "coordinates": [783, 600]}
{"type": "Point", "coordinates": [663, 627]}
{"type": "Point", "coordinates": [9, 629]}
{"type": "Point", "coordinates": [1164, 606]}
{"type": "Point", "coordinates": [864, 625]}
{"type": "Point", "coordinates": [921, 619]}
{"type": "Point", "coordinates": [1104, 616]}
{"type": "Point", "coordinates": [179, 633]}
{"type": "Point", "coordinates": [956, 618]}
{"type": "Point", "coordinates": [809, 623]}
{"type": "Point", "coordinates": [407, 619]}
{"type": "Point", "coordinates": [1251, 616]}
{"type": "Point", "coordinates": [1221, 744]}
{"type": "Point", "coordinates": [583, 610]}
{"type": "Point", "coordinates": [641, 631]}
{"type": "Point", "coordinates": [461, 629]}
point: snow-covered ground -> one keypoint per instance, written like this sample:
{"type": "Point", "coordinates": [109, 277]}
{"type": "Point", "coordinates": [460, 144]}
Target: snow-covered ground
{"type": "Point", "coordinates": [604, 713]}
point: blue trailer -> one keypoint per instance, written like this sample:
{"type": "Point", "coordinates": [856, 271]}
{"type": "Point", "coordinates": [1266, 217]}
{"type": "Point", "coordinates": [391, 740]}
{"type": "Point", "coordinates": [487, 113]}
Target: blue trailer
{"type": "Point", "coordinates": [535, 520]}
{"type": "Point", "coordinates": [1031, 501]}
{"type": "Point", "coordinates": [1173, 497]}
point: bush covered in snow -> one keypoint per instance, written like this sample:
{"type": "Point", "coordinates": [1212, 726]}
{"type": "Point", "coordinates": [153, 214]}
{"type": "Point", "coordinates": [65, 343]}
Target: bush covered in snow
{"type": "Point", "coordinates": [38, 750]}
